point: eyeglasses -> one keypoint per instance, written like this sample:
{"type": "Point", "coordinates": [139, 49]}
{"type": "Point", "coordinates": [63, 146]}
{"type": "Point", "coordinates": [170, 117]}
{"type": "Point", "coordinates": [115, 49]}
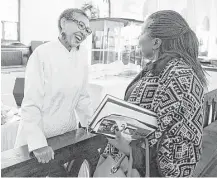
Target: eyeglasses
{"type": "Point", "coordinates": [81, 25]}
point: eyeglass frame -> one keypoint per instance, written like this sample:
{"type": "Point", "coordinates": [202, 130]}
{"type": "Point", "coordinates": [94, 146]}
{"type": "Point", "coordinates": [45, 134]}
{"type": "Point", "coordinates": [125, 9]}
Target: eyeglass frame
{"type": "Point", "coordinates": [77, 22]}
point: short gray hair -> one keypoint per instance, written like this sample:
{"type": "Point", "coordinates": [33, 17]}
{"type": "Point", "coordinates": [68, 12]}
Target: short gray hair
{"type": "Point", "coordinates": [69, 14]}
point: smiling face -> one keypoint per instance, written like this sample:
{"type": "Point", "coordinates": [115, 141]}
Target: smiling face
{"type": "Point", "coordinates": [76, 29]}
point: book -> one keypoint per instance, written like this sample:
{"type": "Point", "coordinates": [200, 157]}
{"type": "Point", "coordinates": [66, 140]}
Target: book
{"type": "Point", "coordinates": [115, 114]}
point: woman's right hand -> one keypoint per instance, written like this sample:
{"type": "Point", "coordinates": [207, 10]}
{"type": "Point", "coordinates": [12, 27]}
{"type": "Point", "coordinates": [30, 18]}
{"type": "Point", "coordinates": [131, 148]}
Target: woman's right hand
{"type": "Point", "coordinates": [44, 155]}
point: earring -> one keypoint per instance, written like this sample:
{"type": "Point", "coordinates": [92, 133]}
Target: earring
{"type": "Point", "coordinates": [63, 35]}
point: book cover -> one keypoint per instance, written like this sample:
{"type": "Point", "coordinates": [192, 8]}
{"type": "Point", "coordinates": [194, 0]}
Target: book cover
{"type": "Point", "coordinates": [115, 114]}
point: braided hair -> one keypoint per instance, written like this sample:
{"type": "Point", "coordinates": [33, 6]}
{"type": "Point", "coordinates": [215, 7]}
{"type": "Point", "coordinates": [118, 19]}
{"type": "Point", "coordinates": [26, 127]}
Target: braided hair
{"type": "Point", "coordinates": [178, 40]}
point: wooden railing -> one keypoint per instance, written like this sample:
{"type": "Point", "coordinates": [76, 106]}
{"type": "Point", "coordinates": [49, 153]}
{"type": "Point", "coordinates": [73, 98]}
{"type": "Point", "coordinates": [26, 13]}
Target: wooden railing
{"type": "Point", "coordinates": [73, 147]}
{"type": "Point", "coordinates": [210, 107]}
{"type": "Point", "coordinates": [207, 166]}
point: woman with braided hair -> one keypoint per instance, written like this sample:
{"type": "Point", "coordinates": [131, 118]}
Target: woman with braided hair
{"type": "Point", "coordinates": [172, 85]}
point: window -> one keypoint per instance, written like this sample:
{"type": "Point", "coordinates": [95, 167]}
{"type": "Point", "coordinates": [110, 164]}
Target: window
{"type": "Point", "coordinates": [201, 16]}
{"type": "Point", "coordinates": [10, 21]}
{"type": "Point", "coordinates": [97, 9]}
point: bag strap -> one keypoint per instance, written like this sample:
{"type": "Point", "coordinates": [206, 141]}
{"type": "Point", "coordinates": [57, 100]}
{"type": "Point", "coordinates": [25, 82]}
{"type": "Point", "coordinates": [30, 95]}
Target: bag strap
{"type": "Point", "coordinates": [130, 165]}
{"type": "Point", "coordinates": [159, 144]}
{"type": "Point", "coordinates": [115, 168]}
{"type": "Point", "coordinates": [147, 159]}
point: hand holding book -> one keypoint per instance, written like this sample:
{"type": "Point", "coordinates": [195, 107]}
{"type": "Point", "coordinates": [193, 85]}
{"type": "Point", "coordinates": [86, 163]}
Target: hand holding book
{"type": "Point", "coordinates": [120, 143]}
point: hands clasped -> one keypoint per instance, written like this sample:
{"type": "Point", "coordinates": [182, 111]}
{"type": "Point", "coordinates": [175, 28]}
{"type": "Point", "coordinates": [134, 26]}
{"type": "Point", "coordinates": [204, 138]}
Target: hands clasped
{"type": "Point", "coordinates": [44, 155]}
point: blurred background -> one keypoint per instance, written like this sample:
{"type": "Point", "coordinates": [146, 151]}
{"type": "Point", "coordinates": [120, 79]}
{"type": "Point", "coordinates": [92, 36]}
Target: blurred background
{"type": "Point", "coordinates": [114, 56]}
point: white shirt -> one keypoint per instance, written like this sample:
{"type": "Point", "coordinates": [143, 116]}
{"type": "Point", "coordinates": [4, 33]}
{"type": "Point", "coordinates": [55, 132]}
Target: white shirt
{"type": "Point", "coordinates": [55, 92]}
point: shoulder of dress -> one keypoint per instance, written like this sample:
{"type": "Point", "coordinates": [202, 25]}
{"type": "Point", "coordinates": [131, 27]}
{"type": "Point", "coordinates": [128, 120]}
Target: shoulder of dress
{"type": "Point", "coordinates": [177, 71]}
{"type": "Point", "coordinates": [83, 48]}
{"type": "Point", "coordinates": [178, 66]}
{"type": "Point", "coordinates": [44, 48]}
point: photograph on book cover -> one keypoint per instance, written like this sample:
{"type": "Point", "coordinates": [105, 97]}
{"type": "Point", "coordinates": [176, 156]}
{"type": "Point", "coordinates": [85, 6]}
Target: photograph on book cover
{"type": "Point", "coordinates": [115, 114]}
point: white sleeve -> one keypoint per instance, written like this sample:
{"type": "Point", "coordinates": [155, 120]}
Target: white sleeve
{"type": "Point", "coordinates": [84, 108]}
{"type": "Point", "coordinates": [32, 103]}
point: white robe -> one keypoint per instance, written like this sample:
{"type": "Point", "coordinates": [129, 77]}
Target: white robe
{"type": "Point", "coordinates": [55, 92]}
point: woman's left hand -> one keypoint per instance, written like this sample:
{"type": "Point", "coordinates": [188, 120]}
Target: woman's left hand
{"type": "Point", "coordinates": [120, 143]}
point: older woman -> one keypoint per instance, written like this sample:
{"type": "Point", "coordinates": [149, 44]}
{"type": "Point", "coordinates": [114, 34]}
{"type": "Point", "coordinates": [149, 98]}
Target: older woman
{"type": "Point", "coordinates": [172, 85]}
{"type": "Point", "coordinates": [56, 87]}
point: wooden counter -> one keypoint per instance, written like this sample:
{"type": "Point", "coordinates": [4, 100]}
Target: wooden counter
{"type": "Point", "coordinates": [75, 145]}
{"type": "Point", "coordinates": [79, 146]}
{"type": "Point", "coordinates": [207, 166]}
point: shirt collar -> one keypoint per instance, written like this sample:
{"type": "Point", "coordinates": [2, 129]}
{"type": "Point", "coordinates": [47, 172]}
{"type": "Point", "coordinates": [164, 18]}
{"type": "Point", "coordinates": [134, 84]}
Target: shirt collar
{"type": "Point", "coordinates": [67, 47]}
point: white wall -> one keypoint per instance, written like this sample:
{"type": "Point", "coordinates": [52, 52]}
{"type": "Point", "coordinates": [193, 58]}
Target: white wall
{"type": "Point", "coordinates": [39, 19]}
{"type": "Point", "coordinates": [132, 9]}
{"type": "Point", "coordinates": [213, 31]}
{"type": "Point", "coordinates": [193, 10]}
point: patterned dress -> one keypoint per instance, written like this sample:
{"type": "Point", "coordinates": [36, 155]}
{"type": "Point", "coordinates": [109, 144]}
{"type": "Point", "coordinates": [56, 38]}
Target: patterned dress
{"type": "Point", "coordinates": [176, 96]}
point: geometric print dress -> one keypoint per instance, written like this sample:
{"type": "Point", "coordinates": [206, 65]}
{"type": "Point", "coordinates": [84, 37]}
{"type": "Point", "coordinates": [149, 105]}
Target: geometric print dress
{"type": "Point", "coordinates": [176, 96]}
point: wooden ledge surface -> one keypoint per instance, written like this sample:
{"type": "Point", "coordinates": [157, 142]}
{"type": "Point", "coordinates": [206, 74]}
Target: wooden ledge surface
{"type": "Point", "coordinates": [18, 155]}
